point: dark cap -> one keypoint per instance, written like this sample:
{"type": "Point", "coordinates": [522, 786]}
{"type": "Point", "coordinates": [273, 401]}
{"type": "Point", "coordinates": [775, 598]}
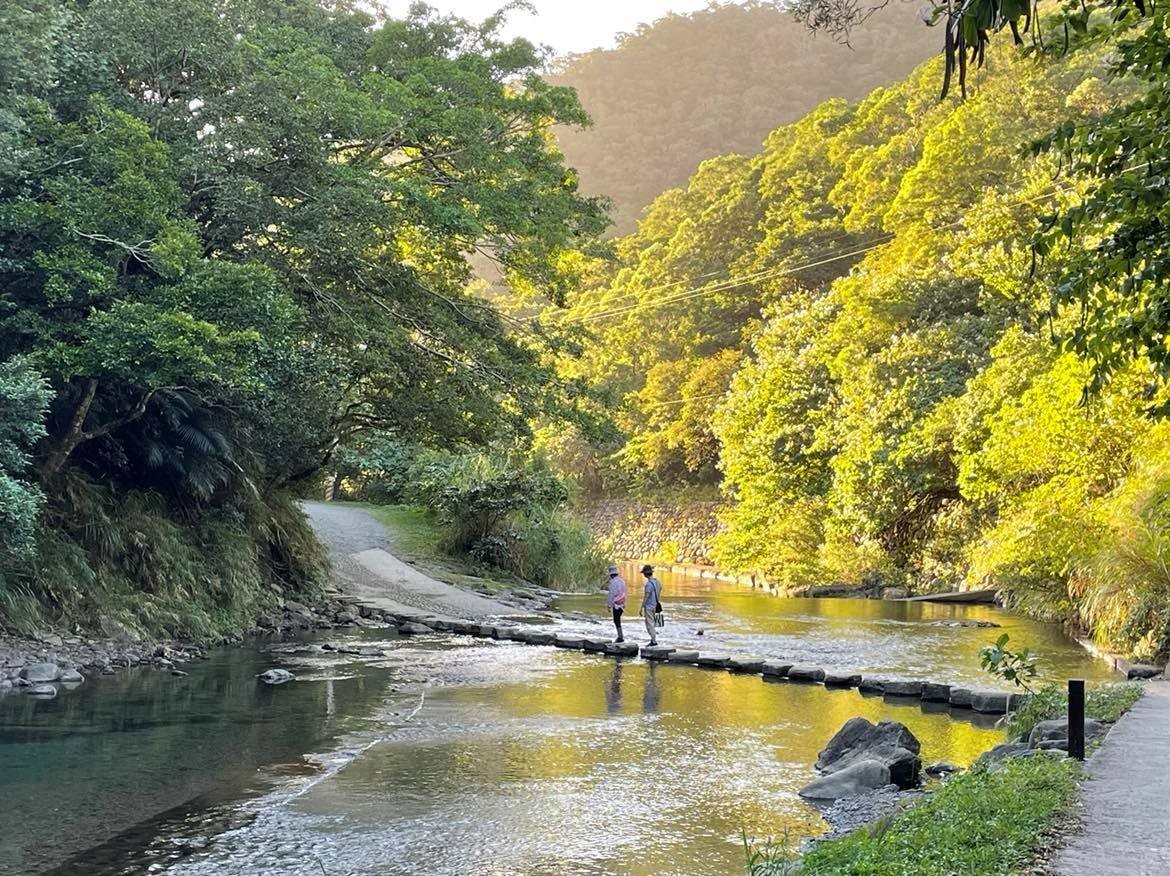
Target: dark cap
{"type": "Point", "coordinates": [647, 570]}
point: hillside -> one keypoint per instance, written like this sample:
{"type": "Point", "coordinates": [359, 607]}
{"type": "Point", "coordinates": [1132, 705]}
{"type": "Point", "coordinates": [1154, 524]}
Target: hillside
{"type": "Point", "coordinates": [689, 87]}
{"type": "Point", "coordinates": [844, 332]}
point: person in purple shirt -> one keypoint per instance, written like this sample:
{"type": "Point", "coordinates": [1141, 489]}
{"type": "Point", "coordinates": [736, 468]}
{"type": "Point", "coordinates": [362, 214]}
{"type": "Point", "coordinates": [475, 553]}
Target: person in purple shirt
{"type": "Point", "coordinates": [616, 602]}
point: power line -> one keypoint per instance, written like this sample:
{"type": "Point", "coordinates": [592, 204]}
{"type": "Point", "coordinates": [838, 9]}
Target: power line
{"type": "Point", "coordinates": [700, 291]}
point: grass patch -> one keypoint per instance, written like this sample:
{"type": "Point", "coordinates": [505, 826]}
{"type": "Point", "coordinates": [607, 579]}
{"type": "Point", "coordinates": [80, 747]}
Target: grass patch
{"type": "Point", "coordinates": [978, 824]}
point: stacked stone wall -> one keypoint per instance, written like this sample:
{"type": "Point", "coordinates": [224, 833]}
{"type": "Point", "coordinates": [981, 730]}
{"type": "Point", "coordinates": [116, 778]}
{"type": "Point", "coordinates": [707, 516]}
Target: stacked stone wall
{"type": "Point", "coordinates": [667, 532]}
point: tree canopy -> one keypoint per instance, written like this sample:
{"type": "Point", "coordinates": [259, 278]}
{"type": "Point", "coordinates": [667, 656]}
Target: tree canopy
{"type": "Point", "coordinates": [235, 235]}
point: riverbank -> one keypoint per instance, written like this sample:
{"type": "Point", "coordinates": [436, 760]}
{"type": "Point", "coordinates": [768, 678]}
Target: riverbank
{"type": "Point", "coordinates": [59, 662]}
{"type": "Point", "coordinates": [1013, 811]}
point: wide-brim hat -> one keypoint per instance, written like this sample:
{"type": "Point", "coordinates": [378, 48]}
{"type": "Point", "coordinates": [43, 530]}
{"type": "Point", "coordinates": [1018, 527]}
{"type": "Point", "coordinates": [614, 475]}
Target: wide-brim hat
{"type": "Point", "coordinates": [647, 569]}
{"type": "Point", "coordinates": [613, 570]}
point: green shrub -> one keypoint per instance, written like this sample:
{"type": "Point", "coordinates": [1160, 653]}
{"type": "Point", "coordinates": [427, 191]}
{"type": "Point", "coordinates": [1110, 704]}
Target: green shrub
{"type": "Point", "coordinates": [1106, 702]}
{"type": "Point", "coordinates": [377, 470]}
{"type": "Point", "coordinates": [128, 557]}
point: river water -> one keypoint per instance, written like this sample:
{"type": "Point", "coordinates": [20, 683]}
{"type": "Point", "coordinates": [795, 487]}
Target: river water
{"type": "Point", "coordinates": [461, 756]}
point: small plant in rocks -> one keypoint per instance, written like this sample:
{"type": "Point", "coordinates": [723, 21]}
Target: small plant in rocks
{"type": "Point", "coordinates": [1018, 667]}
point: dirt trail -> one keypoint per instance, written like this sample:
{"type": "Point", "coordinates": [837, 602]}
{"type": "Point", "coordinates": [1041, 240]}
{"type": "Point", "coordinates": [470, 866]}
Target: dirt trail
{"type": "Point", "coordinates": [364, 567]}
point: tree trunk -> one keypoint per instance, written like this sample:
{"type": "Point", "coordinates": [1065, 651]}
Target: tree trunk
{"type": "Point", "coordinates": [73, 436]}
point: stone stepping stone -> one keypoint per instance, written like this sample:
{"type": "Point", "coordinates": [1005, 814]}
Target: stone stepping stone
{"type": "Point", "coordinates": [684, 657]}
{"type": "Point", "coordinates": [541, 638]}
{"type": "Point", "coordinates": [443, 624]}
{"type": "Point", "coordinates": [484, 631]}
{"type": "Point", "coordinates": [622, 649]}
{"type": "Point", "coordinates": [807, 673]}
{"type": "Point", "coordinates": [657, 652]}
{"type": "Point", "coordinates": [836, 678]}
{"type": "Point", "coordinates": [903, 689]}
{"type": "Point", "coordinates": [869, 684]}
{"type": "Point", "coordinates": [936, 693]}
{"type": "Point", "coordinates": [989, 702]}
{"type": "Point", "coordinates": [961, 697]}
{"type": "Point", "coordinates": [413, 629]}
{"type": "Point", "coordinates": [596, 646]}
{"type": "Point", "coordinates": [747, 665]}
{"type": "Point", "coordinates": [463, 628]}
{"type": "Point", "coordinates": [776, 668]}
{"type": "Point", "coordinates": [573, 643]}
{"type": "Point", "coordinates": [713, 661]}
{"type": "Point", "coordinates": [511, 634]}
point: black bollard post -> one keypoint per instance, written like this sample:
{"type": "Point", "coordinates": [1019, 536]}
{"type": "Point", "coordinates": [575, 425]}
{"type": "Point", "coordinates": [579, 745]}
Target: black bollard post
{"type": "Point", "coordinates": [1076, 718]}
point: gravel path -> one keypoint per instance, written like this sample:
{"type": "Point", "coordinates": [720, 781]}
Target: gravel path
{"type": "Point", "coordinates": [363, 566]}
{"type": "Point", "coordinates": [1124, 801]}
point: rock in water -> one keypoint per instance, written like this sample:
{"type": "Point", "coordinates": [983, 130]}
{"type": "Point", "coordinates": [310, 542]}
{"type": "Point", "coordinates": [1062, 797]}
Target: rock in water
{"type": "Point", "coordinates": [857, 778]}
{"type": "Point", "coordinates": [889, 743]}
{"type": "Point", "coordinates": [43, 691]}
{"type": "Point", "coordinates": [41, 673]}
{"type": "Point", "coordinates": [276, 676]}
{"type": "Point", "coordinates": [70, 676]}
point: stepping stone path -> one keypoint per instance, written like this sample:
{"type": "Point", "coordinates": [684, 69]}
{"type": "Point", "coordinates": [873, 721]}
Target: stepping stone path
{"type": "Point", "coordinates": [415, 623]}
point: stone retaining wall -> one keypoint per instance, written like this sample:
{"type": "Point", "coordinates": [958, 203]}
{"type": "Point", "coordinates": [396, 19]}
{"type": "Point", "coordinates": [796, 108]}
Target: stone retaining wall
{"type": "Point", "coordinates": [668, 532]}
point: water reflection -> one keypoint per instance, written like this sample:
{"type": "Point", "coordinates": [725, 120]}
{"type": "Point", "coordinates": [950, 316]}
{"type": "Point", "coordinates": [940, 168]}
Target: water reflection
{"type": "Point", "coordinates": [893, 639]}
{"type": "Point", "coordinates": [457, 756]}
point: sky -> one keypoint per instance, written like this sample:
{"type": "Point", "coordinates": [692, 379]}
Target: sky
{"type": "Point", "coordinates": [566, 25]}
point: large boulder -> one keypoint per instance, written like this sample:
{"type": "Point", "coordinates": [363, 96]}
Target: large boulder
{"type": "Point", "coordinates": [276, 676]}
{"type": "Point", "coordinates": [40, 673]}
{"type": "Point", "coordinates": [1002, 752]}
{"type": "Point", "coordinates": [857, 778]}
{"type": "Point", "coordinates": [889, 743]}
{"type": "Point", "coordinates": [1054, 733]}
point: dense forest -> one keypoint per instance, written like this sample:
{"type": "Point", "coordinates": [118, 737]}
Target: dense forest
{"type": "Point", "coordinates": [690, 87]}
{"type": "Point", "coordinates": [234, 238]}
{"type": "Point", "coordinates": [916, 341]}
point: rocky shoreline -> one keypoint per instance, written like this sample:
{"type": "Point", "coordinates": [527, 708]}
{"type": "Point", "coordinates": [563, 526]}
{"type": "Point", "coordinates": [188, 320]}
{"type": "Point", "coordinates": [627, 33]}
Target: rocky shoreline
{"type": "Point", "coordinates": [59, 662]}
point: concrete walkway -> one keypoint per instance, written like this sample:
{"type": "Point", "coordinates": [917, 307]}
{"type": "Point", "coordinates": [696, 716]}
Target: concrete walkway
{"type": "Point", "coordinates": [363, 567]}
{"type": "Point", "coordinates": [1125, 803]}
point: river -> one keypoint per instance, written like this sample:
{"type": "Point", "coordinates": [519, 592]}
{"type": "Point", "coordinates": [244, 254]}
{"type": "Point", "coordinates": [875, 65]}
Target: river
{"type": "Point", "coordinates": [466, 756]}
